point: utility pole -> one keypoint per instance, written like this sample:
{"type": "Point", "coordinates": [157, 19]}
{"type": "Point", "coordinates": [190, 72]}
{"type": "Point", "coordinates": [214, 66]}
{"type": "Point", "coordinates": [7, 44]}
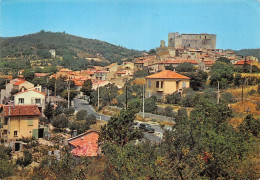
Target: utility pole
{"type": "Point", "coordinates": [47, 87]}
{"type": "Point", "coordinates": [143, 101]}
{"type": "Point", "coordinates": [69, 93]}
{"type": "Point", "coordinates": [55, 88]}
{"type": "Point", "coordinates": [242, 92]}
{"type": "Point", "coordinates": [218, 94]}
{"type": "Point", "coordinates": [98, 98]}
{"type": "Point", "coordinates": [126, 97]}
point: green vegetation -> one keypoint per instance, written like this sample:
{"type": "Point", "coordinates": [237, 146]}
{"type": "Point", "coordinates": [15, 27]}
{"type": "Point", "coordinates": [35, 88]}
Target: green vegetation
{"type": "Point", "coordinates": [37, 46]}
{"type": "Point", "coordinates": [249, 52]}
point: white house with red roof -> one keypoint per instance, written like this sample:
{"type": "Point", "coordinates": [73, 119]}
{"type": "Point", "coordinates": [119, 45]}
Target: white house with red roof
{"type": "Point", "coordinates": [31, 97]}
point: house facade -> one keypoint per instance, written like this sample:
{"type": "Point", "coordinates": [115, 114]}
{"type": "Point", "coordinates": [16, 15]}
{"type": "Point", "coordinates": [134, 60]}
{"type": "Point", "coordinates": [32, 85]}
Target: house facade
{"type": "Point", "coordinates": [165, 82]}
{"type": "Point", "coordinates": [19, 121]}
{"type": "Point", "coordinates": [31, 97]}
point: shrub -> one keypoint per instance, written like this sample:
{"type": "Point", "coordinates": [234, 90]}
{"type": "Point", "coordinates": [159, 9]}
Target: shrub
{"type": "Point", "coordinates": [69, 111]}
{"type": "Point", "coordinates": [150, 105]}
{"type": "Point", "coordinates": [251, 92]}
{"type": "Point", "coordinates": [174, 98]}
{"type": "Point", "coordinates": [91, 119]}
{"type": "Point", "coordinates": [227, 97]}
{"type": "Point", "coordinates": [168, 111]}
{"type": "Point", "coordinates": [26, 160]}
{"type": "Point", "coordinates": [81, 115]}
{"type": "Point", "coordinates": [60, 122]}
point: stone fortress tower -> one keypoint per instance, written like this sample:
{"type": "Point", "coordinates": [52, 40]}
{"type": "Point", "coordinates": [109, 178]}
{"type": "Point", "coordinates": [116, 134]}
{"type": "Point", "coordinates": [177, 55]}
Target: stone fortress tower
{"type": "Point", "coordinates": [196, 41]}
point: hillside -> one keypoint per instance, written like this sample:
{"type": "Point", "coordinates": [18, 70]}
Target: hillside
{"type": "Point", "coordinates": [249, 52]}
{"type": "Point", "coordinates": [36, 46]}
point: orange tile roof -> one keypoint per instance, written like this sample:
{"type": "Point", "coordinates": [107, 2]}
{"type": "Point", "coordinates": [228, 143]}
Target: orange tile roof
{"type": "Point", "coordinates": [167, 74]}
{"type": "Point", "coordinates": [85, 144]}
{"type": "Point", "coordinates": [22, 110]}
{"type": "Point", "coordinates": [19, 82]}
{"type": "Point", "coordinates": [31, 90]}
{"type": "Point", "coordinates": [41, 74]}
{"type": "Point", "coordinates": [242, 62]}
{"type": "Point", "coordinates": [178, 61]}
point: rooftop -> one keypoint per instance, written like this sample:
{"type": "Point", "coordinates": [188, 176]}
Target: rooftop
{"type": "Point", "coordinates": [167, 74]}
{"type": "Point", "coordinates": [22, 110]}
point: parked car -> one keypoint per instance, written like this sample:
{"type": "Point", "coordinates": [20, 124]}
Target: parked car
{"type": "Point", "coordinates": [147, 128]}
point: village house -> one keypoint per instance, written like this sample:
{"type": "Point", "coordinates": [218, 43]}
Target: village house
{"type": "Point", "coordinates": [165, 82]}
{"type": "Point", "coordinates": [15, 84]}
{"type": "Point", "coordinates": [85, 144]}
{"type": "Point", "coordinates": [31, 97]}
{"type": "Point", "coordinates": [19, 121]}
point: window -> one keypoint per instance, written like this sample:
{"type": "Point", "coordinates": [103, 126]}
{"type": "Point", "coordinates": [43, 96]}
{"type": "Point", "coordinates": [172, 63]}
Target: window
{"type": "Point", "coordinates": [37, 101]}
{"type": "Point", "coordinates": [161, 84]}
{"type": "Point", "coordinates": [21, 100]}
{"type": "Point", "coordinates": [184, 84]}
{"type": "Point", "coordinates": [149, 83]}
{"type": "Point", "coordinates": [157, 84]}
{"type": "Point", "coordinates": [30, 121]}
{"type": "Point", "coordinates": [15, 133]}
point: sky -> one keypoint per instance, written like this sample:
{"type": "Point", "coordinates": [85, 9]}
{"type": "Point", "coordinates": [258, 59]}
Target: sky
{"type": "Point", "coordinates": [136, 24]}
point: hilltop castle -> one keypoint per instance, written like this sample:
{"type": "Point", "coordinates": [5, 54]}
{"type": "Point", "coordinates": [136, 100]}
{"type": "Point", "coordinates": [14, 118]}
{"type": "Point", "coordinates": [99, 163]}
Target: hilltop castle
{"type": "Point", "coordinates": [196, 41]}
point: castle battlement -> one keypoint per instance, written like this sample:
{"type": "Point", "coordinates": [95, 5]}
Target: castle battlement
{"type": "Point", "coordinates": [197, 41]}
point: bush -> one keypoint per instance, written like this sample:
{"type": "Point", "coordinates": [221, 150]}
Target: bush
{"type": "Point", "coordinates": [188, 100]}
{"type": "Point", "coordinates": [227, 97]}
{"type": "Point", "coordinates": [168, 111]}
{"type": "Point", "coordinates": [81, 115]}
{"type": "Point", "coordinates": [91, 119]}
{"type": "Point", "coordinates": [150, 105]}
{"type": "Point", "coordinates": [69, 111]}
{"type": "Point", "coordinates": [60, 122]}
{"type": "Point", "coordinates": [26, 160]}
{"type": "Point", "coordinates": [174, 98]}
{"type": "Point", "coordinates": [135, 104]}
{"type": "Point", "coordinates": [251, 92]}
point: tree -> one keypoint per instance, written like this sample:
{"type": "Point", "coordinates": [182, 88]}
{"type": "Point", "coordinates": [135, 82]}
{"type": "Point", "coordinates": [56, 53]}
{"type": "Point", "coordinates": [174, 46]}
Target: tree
{"type": "Point", "coordinates": [250, 125]}
{"type": "Point", "coordinates": [81, 115]}
{"type": "Point", "coordinates": [87, 87]}
{"type": "Point", "coordinates": [152, 52]}
{"type": "Point", "coordinates": [224, 60]}
{"type": "Point", "coordinates": [49, 111]}
{"type": "Point", "coordinates": [73, 94]}
{"type": "Point", "coordinates": [28, 74]}
{"type": "Point", "coordinates": [174, 98]}
{"type": "Point", "coordinates": [120, 129]}
{"type": "Point", "coordinates": [141, 73]}
{"type": "Point", "coordinates": [185, 67]}
{"type": "Point", "coordinates": [60, 121]}
{"type": "Point", "coordinates": [197, 79]}
{"type": "Point", "coordinates": [222, 73]}
{"type": "Point", "coordinates": [150, 104]}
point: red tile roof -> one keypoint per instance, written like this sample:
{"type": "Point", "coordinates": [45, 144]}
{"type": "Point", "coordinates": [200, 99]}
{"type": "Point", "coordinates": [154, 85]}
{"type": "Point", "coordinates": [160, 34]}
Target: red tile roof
{"type": "Point", "coordinates": [177, 61]}
{"type": "Point", "coordinates": [41, 74]}
{"type": "Point", "coordinates": [242, 62]}
{"type": "Point", "coordinates": [31, 90]}
{"type": "Point", "coordinates": [167, 74]}
{"type": "Point", "coordinates": [85, 144]}
{"type": "Point", "coordinates": [19, 82]}
{"type": "Point", "coordinates": [22, 110]}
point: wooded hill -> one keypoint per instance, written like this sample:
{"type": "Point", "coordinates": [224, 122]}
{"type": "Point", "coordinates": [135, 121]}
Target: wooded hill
{"type": "Point", "coordinates": [249, 52]}
{"type": "Point", "coordinates": [36, 46]}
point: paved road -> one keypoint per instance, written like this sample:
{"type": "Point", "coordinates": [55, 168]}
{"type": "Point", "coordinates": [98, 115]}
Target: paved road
{"type": "Point", "coordinates": [81, 104]}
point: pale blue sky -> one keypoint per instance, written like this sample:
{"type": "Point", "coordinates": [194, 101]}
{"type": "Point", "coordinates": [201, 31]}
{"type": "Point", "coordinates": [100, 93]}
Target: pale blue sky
{"type": "Point", "coordinates": [136, 24]}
